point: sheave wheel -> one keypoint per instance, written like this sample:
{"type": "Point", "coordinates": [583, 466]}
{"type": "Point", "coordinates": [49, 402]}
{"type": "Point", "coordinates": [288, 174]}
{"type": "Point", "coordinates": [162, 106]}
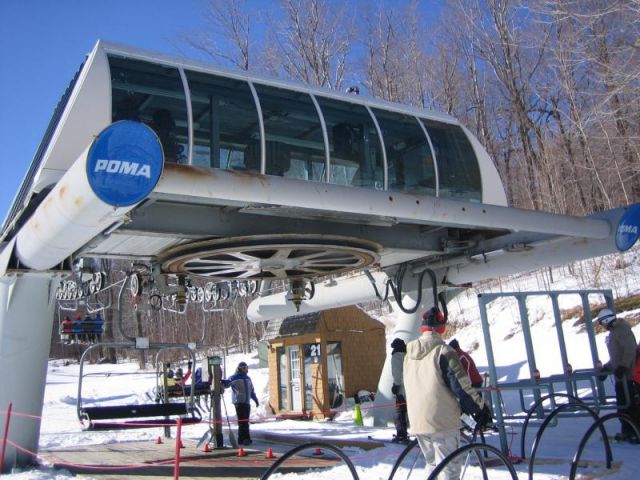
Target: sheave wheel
{"type": "Point", "coordinates": [271, 256]}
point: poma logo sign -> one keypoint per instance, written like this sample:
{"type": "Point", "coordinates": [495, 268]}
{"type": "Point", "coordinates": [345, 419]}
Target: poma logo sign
{"type": "Point", "coordinates": [628, 229]}
{"type": "Point", "coordinates": [124, 163]}
{"type": "Point", "coordinates": [123, 167]}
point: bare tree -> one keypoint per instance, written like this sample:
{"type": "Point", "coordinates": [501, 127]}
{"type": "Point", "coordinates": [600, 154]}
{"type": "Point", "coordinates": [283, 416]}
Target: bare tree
{"type": "Point", "coordinates": [229, 37]}
{"type": "Point", "coordinates": [394, 64]}
{"type": "Point", "coordinates": [595, 68]}
{"type": "Point", "coordinates": [311, 42]}
{"type": "Point", "coordinates": [383, 77]}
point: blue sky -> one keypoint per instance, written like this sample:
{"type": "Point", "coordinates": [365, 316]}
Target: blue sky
{"type": "Point", "coordinates": [42, 44]}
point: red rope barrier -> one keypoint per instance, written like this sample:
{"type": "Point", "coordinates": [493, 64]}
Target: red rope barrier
{"type": "Point", "coordinates": [26, 415]}
{"type": "Point", "coordinates": [175, 461]}
{"type": "Point", "coordinates": [260, 420]}
{"type": "Point", "coordinates": [5, 437]}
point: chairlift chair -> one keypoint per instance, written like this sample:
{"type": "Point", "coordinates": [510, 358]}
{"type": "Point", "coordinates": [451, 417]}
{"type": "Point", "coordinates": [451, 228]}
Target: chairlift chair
{"type": "Point", "coordinates": [119, 417]}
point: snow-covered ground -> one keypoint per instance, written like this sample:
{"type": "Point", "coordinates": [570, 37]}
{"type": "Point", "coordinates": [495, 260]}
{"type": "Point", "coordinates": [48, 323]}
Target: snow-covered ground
{"type": "Point", "coordinates": [124, 384]}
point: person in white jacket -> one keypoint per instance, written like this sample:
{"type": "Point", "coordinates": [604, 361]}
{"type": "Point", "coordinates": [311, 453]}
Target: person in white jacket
{"type": "Point", "coordinates": [438, 390]}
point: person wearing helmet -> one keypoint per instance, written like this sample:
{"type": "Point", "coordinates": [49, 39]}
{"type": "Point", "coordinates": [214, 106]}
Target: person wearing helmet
{"type": "Point", "coordinates": [242, 394]}
{"type": "Point", "coordinates": [621, 345]}
{"type": "Point", "coordinates": [397, 360]}
{"type": "Point", "coordinates": [438, 389]}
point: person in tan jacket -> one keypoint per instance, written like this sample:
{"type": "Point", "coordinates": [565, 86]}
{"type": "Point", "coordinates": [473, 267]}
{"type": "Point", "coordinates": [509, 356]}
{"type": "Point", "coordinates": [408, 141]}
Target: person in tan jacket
{"type": "Point", "coordinates": [438, 389]}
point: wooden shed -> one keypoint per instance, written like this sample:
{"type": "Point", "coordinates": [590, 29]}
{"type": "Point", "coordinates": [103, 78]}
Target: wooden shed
{"type": "Point", "coordinates": [317, 360]}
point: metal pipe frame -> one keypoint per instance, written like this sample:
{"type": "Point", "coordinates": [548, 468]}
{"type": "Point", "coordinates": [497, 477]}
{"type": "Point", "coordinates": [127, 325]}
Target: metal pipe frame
{"type": "Point", "coordinates": [485, 299]}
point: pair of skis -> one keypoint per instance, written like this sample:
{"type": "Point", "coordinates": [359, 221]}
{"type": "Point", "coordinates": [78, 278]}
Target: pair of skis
{"type": "Point", "coordinates": [210, 434]}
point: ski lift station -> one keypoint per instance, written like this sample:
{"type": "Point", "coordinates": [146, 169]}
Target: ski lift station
{"type": "Point", "coordinates": [202, 176]}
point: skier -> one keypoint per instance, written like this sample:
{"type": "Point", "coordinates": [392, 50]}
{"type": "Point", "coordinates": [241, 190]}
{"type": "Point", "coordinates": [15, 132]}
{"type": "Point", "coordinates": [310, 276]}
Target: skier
{"type": "Point", "coordinates": [621, 344]}
{"type": "Point", "coordinates": [468, 364]}
{"type": "Point", "coordinates": [437, 389]}
{"type": "Point", "coordinates": [397, 359]}
{"type": "Point", "coordinates": [243, 392]}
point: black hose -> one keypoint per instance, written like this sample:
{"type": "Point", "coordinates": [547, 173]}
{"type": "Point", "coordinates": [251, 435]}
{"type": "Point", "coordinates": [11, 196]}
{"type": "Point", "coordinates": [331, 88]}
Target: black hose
{"type": "Point", "coordinates": [414, 443]}
{"type": "Point", "coordinates": [474, 447]}
{"type": "Point", "coordinates": [551, 416]}
{"type": "Point", "coordinates": [585, 438]}
{"type": "Point", "coordinates": [307, 446]}
{"type": "Point", "coordinates": [311, 291]}
{"type": "Point", "coordinates": [534, 407]}
{"type": "Point", "coordinates": [397, 290]}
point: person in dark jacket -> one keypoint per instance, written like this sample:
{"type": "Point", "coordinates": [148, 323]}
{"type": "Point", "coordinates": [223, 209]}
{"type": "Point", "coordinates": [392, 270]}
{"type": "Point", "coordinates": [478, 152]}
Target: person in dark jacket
{"type": "Point", "coordinates": [242, 394]}
{"type": "Point", "coordinates": [76, 328]}
{"type": "Point", "coordinates": [98, 326]}
{"type": "Point", "coordinates": [621, 345]}
{"type": "Point", "coordinates": [397, 389]}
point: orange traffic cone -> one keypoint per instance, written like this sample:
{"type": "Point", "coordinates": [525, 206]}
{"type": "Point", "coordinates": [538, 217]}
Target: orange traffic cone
{"type": "Point", "coordinates": [159, 441]}
{"type": "Point", "coordinates": [206, 448]}
{"type": "Point", "coordinates": [181, 444]}
{"type": "Point", "coordinates": [317, 451]}
{"type": "Point", "coordinates": [241, 452]}
{"type": "Point", "coordinates": [270, 453]}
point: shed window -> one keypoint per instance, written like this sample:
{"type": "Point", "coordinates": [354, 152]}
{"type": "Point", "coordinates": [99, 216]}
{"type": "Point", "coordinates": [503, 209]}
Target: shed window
{"type": "Point", "coordinates": [334, 374]}
{"type": "Point", "coordinates": [283, 401]}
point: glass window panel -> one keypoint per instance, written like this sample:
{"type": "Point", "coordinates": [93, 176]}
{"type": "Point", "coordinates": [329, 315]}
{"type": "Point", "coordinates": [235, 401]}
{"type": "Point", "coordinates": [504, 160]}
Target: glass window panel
{"type": "Point", "coordinates": [409, 160]}
{"type": "Point", "coordinates": [295, 145]}
{"type": "Point", "coordinates": [294, 368]}
{"type": "Point", "coordinates": [458, 170]}
{"type": "Point", "coordinates": [283, 401]}
{"type": "Point", "coordinates": [226, 131]}
{"type": "Point", "coordinates": [152, 94]}
{"type": "Point", "coordinates": [308, 385]}
{"type": "Point", "coordinates": [334, 374]}
{"type": "Point", "coordinates": [356, 155]}
{"type": "Point", "coordinates": [294, 380]}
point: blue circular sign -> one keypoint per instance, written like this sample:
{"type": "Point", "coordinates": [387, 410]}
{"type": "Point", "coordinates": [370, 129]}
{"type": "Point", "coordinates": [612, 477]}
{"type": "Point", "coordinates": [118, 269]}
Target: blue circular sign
{"type": "Point", "coordinates": [628, 229]}
{"type": "Point", "coordinates": [124, 163]}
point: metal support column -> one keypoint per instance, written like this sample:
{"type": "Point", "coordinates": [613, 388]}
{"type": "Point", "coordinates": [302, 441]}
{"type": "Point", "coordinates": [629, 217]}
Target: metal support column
{"type": "Point", "coordinates": [496, 403]}
{"type": "Point", "coordinates": [27, 304]}
{"type": "Point", "coordinates": [215, 376]}
{"type": "Point", "coordinates": [561, 342]}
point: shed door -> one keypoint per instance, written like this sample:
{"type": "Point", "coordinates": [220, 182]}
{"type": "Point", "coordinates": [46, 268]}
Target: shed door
{"type": "Point", "coordinates": [294, 378]}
